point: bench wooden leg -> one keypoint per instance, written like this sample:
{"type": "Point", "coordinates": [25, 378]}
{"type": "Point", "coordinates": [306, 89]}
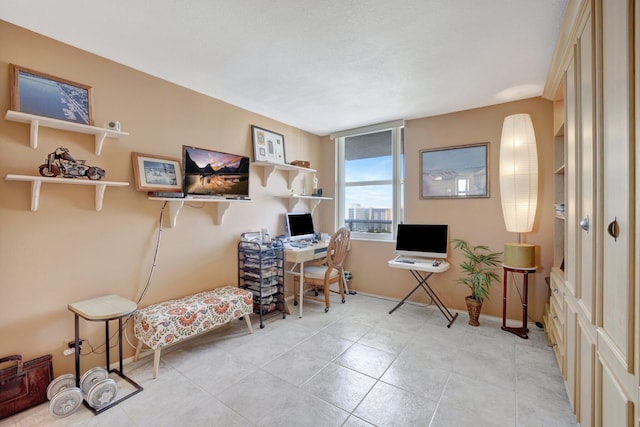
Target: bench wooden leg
{"type": "Point", "coordinates": [138, 350]}
{"type": "Point", "coordinates": [156, 358]}
{"type": "Point", "coordinates": [156, 362]}
{"type": "Point", "coordinates": [246, 318]}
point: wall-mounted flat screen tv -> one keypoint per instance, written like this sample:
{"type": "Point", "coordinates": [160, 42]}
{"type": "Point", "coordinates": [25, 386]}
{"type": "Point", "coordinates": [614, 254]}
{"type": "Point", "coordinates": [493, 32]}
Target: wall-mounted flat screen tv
{"type": "Point", "coordinates": [211, 173]}
{"type": "Point", "coordinates": [423, 240]}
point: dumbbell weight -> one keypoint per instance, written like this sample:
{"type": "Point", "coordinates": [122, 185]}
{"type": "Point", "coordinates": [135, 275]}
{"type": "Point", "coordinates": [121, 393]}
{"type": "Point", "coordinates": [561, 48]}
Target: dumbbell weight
{"type": "Point", "coordinates": [95, 387]}
{"type": "Point", "coordinates": [64, 397]}
{"type": "Point", "coordinates": [98, 389]}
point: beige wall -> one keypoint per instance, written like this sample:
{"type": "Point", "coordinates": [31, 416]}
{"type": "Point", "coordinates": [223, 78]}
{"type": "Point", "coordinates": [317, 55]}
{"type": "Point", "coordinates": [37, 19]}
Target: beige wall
{"type": "Point", "coordinates": [479, 221]}
{"type": "Point", "coordinates": [66, 251]}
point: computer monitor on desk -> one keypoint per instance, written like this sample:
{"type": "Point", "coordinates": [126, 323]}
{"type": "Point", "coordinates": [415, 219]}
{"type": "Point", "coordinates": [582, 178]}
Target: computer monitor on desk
{"type": "Point", "coordinates": [299, 226]}
{"type": "Point", "coordinates": [430, 241]}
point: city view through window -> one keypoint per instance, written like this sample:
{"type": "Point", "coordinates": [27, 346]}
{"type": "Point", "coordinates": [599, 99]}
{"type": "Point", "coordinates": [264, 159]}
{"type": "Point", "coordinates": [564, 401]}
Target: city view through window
{"type": "Point", "coordinates": [373, 214]}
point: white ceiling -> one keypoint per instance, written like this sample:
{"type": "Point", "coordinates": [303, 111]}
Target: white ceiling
{"type": "Point", "coordinates": [319, 65]}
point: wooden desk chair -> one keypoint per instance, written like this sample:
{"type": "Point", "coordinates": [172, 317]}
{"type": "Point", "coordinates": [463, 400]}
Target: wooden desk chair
{"type": "Point", "coordinates": [325, 272]}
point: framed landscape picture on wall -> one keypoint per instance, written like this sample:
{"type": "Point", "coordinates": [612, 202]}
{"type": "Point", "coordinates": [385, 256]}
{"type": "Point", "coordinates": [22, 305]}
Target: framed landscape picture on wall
{"type": "Point", "coordinates": [41, 94]}
{"type": "Point", "coordinates": [455, 172]}
{"type": "Point", "coordinates": [268, 146]}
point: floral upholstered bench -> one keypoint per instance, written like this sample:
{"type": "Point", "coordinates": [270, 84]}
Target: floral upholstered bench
{"type": "Point", "coordinates": [169, 322]}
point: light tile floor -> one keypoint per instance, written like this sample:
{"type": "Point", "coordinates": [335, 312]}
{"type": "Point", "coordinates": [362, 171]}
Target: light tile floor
{"type": "Point", "coordinates": [355, 366]}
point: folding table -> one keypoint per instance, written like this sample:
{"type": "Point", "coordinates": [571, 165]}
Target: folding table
{"type": "Point", "coordinates": [422, 272]}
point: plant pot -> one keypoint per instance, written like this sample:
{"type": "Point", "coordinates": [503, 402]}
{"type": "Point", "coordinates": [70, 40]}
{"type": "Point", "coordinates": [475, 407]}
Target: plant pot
{"type": "Point", "coordinates": [474, 306]}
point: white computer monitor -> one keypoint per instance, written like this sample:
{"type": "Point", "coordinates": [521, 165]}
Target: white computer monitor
{"type": "Point", "coordinates": [423, 240]}
{"type": "Point", "coordinates": [299, 225]}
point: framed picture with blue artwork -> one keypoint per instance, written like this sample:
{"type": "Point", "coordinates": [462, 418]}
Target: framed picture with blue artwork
{"type": "Point", "coordinates": [41, 94]}
{"type": "Point", "coordinates": [156, 173]}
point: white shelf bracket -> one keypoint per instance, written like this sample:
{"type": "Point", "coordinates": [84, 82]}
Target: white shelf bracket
{"type": "Point", "coordinates": [99, 141]}
{"type": "Point", "coordinates": [292, 204]}
{"type": "Point", "coordinates": [268, 170]}
{"type": "Point", "coordinates": [174, 210]}
{"type": "Point", "coordinates": [293, 174]}
{"type": "Point", "coordinates": [35, 194]}
{"type": "Point", "coordinates": [100, 196]}
{"type": "Point", "coordinates": [310, 201]}
{"type": "Point", "coordinates": [313, 204]}
{"type": "Point", "coordinates": [35, 125]}
{"type": "Point", "coordinates": [222, 208]}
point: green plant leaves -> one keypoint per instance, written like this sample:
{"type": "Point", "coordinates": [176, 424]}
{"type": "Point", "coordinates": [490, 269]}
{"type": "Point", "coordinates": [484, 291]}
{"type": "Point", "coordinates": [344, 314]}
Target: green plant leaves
{"type": "Point", "coordinates": [479, 268]}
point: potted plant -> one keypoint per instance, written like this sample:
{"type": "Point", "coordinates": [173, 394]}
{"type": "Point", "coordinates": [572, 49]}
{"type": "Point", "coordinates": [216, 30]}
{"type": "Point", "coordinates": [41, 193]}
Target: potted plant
{"type": "Point", "coordinates": [479, 269]}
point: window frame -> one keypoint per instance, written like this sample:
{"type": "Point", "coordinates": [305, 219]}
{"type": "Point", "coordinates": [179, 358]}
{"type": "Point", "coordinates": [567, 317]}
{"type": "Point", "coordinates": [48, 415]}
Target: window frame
{"type": "Point", "coordinates": [396, 181]}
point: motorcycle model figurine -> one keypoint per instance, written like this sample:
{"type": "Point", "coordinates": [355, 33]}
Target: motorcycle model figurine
{"type": "Point", "coordinates": [60, 162]}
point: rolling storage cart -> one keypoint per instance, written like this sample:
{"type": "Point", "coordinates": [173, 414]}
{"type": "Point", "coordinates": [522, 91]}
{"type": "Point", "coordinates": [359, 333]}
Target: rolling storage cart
{"type": "Point", "coordinates": [261, 270]}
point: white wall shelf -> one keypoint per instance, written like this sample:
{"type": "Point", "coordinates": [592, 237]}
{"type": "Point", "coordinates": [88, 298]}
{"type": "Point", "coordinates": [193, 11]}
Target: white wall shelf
{"type": "Point", "coordinates": [36, 184]}
{"type": "Point", "coordinates": [313, 201]}
{"type": "Point", "coordinates": [293, 171]}
{"type": "Point", "coordinates": [36, 121]}
{"type": "Point", "coordinates": [175, 205]}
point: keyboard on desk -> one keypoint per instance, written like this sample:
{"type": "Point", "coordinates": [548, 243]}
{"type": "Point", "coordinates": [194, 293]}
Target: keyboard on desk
{"type": "Point", "coordinates": [418, 261]}
{"type": "Point", "coordinates": [300, 245]}
{"type": "Point", "coordinates": [296, 245]}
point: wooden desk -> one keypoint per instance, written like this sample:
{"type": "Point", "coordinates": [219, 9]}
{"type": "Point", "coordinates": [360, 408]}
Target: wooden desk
{"type": "Point", "coordinates": [297, 257]}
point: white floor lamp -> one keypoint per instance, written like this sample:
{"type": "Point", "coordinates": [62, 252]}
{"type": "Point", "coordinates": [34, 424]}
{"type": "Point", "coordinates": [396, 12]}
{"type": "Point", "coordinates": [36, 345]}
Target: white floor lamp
{"type": "Point", "coordinates": [519, 186]}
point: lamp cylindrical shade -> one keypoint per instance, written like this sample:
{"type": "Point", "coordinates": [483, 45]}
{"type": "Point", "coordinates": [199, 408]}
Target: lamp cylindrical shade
{"type": "Point", "coordinates": [518, 173]}
{"type": "Point", "coordinates": [519, 255]}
